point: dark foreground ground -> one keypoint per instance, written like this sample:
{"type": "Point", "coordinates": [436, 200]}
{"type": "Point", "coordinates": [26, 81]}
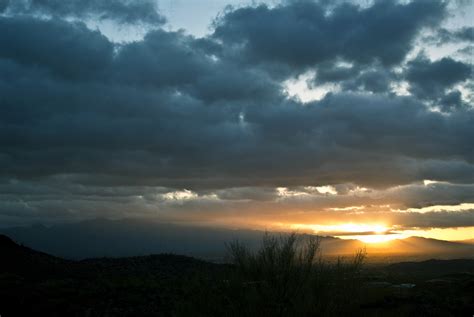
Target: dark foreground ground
{"type": "Point", "coordinates": [36, 284]}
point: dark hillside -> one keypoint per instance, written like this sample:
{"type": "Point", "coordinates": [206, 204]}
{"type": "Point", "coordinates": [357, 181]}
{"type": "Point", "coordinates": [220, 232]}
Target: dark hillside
{"type": "Point", "coordinates": [36, 284]}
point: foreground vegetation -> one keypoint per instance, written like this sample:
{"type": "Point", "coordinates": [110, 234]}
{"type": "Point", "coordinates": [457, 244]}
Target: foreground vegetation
{"type": "Point", "coordinates": [286, 276]}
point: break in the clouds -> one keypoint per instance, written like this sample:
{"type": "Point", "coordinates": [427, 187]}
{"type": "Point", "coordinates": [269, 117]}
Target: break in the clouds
{"type": "Point", "coordinates": [206, 129]}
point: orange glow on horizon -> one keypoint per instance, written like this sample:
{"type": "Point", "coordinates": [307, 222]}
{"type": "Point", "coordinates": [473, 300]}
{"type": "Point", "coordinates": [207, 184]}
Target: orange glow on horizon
{"type": "Point", "coordinates": [368, 233]}
{"type": "Point", "coordinates": [376, 238]}
{"type": "Point", "coordinates": [343, 228]}
{"type": "Point", "coordinates": [380, 233]}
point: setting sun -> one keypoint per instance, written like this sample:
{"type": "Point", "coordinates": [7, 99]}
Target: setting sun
{"type": "Point", "coordinates": [368, 233]}
{"type": "Point", "coordinates": [375, 238]}
{"type": "Point", "coordinates": [343, 228]}
{"type": "Point", "coordinates": [351, 227]}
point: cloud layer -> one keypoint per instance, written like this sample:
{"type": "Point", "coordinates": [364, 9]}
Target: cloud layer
{"type": "Point", "coordinates": [185, 127]}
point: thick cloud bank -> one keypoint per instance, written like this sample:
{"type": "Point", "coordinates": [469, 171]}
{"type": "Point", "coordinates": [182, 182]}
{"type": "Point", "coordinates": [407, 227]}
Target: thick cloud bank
{"type": "Point", "coordinates": [121, 11]}
{"type": "Point", "coordinates": [178, 126]}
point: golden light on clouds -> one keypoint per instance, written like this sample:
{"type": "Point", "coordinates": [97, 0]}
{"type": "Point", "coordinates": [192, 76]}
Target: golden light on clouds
{"type": "Point", "coordinates": [347, 227]}
{"type": "Point", "coordinates": [438, 208]}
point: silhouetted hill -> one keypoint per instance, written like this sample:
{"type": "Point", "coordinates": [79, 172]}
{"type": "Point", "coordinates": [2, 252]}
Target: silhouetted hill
{"type": "Point", "coordinates": [433, 266]}
{"type": "Point", "coordinates": [22, 260]}
{"type": "Point", "coordinates": [25, 261]}
{"type": "Point", "coordinates": [420, 245]}
{"type": "Point", "coordinates": [33, 283]}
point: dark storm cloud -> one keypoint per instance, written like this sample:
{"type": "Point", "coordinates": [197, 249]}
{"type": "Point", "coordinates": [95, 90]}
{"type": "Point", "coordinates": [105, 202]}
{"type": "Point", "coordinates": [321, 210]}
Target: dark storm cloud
{"type": "Point", "coordinates": [420, 195]}
{"type": "Point", "coordinates": [443, 219]}
{"type": "Point", "coordinates": [430, 79]}
{"type": "Point", "coordinates": [3, 5]}
{"type": "Point", "coordinates": [112, 127]}
{"type": "Point", "coordinates": [147, 116]}
{"type": "Point", "coordinates": [161, 59]}
{"type": "Point", "coordinates": [176, 139]}
{"type": "Point", "coordinates": [465, 34]}
{"type": "Point", "coordinates": [452, 100]}
{"type": "Point", "coordinates": [69, 50]}
{"type": "Point", "coordinates": [303, 33]}
{"type": "Point", "coordinates": [122, 11]}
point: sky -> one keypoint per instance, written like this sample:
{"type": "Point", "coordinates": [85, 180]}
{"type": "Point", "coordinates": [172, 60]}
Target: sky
{"type": "Point", "coordinates": [343, 118]}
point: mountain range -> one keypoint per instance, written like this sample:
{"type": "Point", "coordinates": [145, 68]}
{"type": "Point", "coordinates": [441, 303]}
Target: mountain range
{"type": "Point", "coordinates": [134, 237]}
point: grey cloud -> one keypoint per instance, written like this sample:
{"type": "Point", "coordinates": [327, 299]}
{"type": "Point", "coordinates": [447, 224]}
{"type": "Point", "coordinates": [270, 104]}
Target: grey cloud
{"type": "Point", "coordinates": [465, 34]}
{"type": "Point", "coordinates": [429, 80]}
{"type": "Point", "coordinates": [59, 200]}
{"type": "Point", "coordinates": [370, 78]}
{"type": "Point", "coordinates": [328, 72]}
{"type": "Point", "coordinates": [3, 5]}
{"type": "Point", "coordinates": [430, 220]}
{"type": "Point", "coordinates": [112, 127]}
{"type": "Point", "coordinates": [144, 135]}
{"type": "Point", "coordinates": [452, 100]}
{"type": "Point", "coordinates": [65, 49]}
{"type": "Point", "coordinates": [419, 195]}
{"type": "Point", "coordinates": [303, 33]}
{"type": "Point", "coordinates": [375, 80]}
{"type": "Point", "coordinates": [247, 193]}
{"type": "Point", "coordinates": [467, 50]}
{"type": "Point", "coordinates": [161, 59]}
{"type": "Point", "coordinates": [444, 36]}
{"type": "Point", "coordinates": [122, 11]}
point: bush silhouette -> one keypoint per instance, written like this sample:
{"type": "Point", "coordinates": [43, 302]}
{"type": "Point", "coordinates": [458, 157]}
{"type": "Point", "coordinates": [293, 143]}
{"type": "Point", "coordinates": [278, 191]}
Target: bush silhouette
{"type": "Point", "coordinates": [287, 276]}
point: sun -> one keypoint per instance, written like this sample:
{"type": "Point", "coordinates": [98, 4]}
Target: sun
{"type": "Point", "coordinates": [375, 238]}
{"type": "Point", "coordinates": [367, 233]}
{"type": "Point", "coordinates": [362, 228]}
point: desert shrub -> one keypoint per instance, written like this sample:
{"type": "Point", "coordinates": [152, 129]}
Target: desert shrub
{"type": "Point", "coordinates": [287, 276]}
